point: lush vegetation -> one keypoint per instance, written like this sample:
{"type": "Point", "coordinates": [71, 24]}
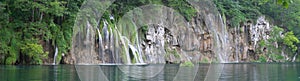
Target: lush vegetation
{"type": "Point", "coordinates": [120, 7]}
{"type": "Point", "coordinates": [29, 26]}
{"type": "Point", "coordinates": [276, 44]}
{"type": "Point", "coordinates": [284, 14]}
{"type": "Point", "coordinates": [187, 64]}
{"type": "Point", "coordinates": [31, 29]}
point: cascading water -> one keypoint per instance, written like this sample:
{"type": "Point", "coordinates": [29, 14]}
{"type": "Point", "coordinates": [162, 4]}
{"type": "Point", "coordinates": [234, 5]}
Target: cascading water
{"type": "Point", "coordinates": [112, 51]}
{"type": "Point", "coordinates": [135, 53]}
{"type": "Point", "coordinates": [55, 55]}
{"type": "Point", "coordinates": [294, 57]}
{"type": "Point", "coordinates": [237, 48]}
{"type": "Point", "coordinates": [216, 27]}
{"type": "Point", "coordinates": [220, 37]}
{"type": "Point", "coordinates": [138, 47]}
{"type": "Point", "coordinates": [125, 43]}
{"type": "Point", "coordinates": [100, 50]}
{"type": "Point", "coordinates": [121, 43]}
{"type": "Point", "coordinates": [105, 32]}
{"type": "Point", "coordinates": [121, 40]}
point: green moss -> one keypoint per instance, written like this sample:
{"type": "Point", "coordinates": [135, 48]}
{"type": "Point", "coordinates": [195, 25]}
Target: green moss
{"type": "Point", "coordinates": [204, 60]}
{"type": "Point", "coordinates": [187, 64]}
{"type": "Point", "coordinates": [262, 58]}
{"type": "Point", "coordinates": [172, 51]}
{"type": "Point", "coordinates": [262, 43]}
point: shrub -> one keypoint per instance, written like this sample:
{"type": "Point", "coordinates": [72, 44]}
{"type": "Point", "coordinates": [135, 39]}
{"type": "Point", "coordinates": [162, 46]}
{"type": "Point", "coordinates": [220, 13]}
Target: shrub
{"type": "Point", "coordinates": [34, 52]}
{"type": "Point", "coordinates": [187, 64]}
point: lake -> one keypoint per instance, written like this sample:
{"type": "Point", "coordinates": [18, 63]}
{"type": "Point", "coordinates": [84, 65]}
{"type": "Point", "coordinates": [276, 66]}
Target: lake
{"type": "Point", "coordinates": [153, 72]}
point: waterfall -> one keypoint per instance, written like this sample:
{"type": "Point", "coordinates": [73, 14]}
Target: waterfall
{"type": "Point", "coordinates": [55, 55]}
{"type": "Point", "coordinates": [128, 46]}
{"type": "Point", "coordinates": [139, 51]}
{"type": "Point", "coordinates": [221, 38]}
{"type": "Point", "coordinates": [110, 42]}
{"type": "Point", "coordinates": [106, 40]}
{"type": "Point", "coordinates": [116, 46]}
{"type": "Point", "coordinates": [111, 45]}
{"type": "Point", "coordinates": [134, 52]}
{"type": "Point", "coordinates": [125, 43]}
{"type": "Point", "coordinates": [119, 45]}
{"type": "Point", "coordinates": [294, 57]}
{"type": "Point", "coordinates": [138, 48]}
{"type": "Point", "coordinates": [100, 50]}
{"type": "Point", "coordinates": [105, 33]}
{"type": "Point", "coordinates": [236, 29]}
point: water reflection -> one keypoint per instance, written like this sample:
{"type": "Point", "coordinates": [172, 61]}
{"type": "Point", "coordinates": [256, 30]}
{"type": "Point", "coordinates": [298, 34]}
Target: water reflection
{"type": "Point", "coordinates": [261, 72]}
{"type": "Point", "coordinates": [169, 72]}
{"type": "Point", "coordinates": [154, 72]}
{"type": "Point", "coordinates": [38, 73]}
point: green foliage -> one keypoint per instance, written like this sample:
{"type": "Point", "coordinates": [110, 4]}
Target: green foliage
{"type": "Point", "coordinates": [276, 34]}
{"type": "Point", "coordinates": [262, 58]}
{"type": "Point", "coordinates": [287, 18]}
{"type": "Point", "coordinates": [284, 3]}
{"type": "Point", "coordinates": [238, 11]}
{"type": "Point", "coordinates": [205, 60]}
{"type": "Point", "coordinates": [120, 7]}
{"type": "Point", "coordinates": [46, 22]}
{"type": "Point", "coordinates": [291, 40]}
{"type": "Point", "coordinates": [262, 43]}
{"type": "Point", "coordinates": [31, 24]}
{"type": "Point", "coordinates": [278, 42]}
{"type": "Point", "coordinates": [187, 64]}
{"type": "Point", "coordinates": [182, 7]}
{"type": "Point", "coordinates": [275, 37]}
{"type": "Point", "coordinates": [277, 57]}
{"type": "Point", "coordinates": [288, 39]}
{"type": "Point", "coordinates": [34, 52]}
{"type": "Point", "coordinates": [173, 52]}
{"type": "Point", "coordinates": [144, 29]}
{"type": "Point", "coordinates": [9, 46]}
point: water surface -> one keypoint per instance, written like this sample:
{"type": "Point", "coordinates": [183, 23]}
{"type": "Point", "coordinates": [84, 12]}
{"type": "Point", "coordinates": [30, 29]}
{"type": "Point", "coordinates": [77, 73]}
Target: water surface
{"type": "Point", "coordinates": [168, 72]}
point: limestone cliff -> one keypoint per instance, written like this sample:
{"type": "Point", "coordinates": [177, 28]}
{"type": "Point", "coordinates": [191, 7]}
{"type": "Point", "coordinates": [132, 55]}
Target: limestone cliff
{"type": "Point", "coordinates": [242, 47]}
{"type": "Point", "coordinates": [169, 38]}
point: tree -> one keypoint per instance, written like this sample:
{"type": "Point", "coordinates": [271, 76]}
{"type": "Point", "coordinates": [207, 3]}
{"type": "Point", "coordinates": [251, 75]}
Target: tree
{"type": "Point", "coordinates": [42, 21]}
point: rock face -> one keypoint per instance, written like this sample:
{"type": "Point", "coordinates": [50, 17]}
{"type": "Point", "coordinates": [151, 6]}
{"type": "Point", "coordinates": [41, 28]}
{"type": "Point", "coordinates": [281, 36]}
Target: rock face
{"type": "Point", "coordinates": [195, 42]}
{"type": "Point", "coordinates": [161, 45]}
{"type": "Point", "coordinates": [242, 42]}
{"type": "Point", "coordinates": [83, 48]}
{"type": "Point", "coordinates": [154, 44]}
{"type": "Point", "coordinates": [169, 38]}
{"type": "Point", "coordinates": [191, 41]}
{"type": "Point", "coordinates": [259, 31]}
{"type": "Point", "coordinates": [245, 39]}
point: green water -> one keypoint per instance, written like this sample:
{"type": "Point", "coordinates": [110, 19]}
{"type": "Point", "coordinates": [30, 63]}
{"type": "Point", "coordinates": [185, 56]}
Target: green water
{"type": "Point", "coordinates": [169, 72]}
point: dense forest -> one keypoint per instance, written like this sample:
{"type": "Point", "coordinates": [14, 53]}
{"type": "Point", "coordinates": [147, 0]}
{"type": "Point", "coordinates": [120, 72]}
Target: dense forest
{"type": "Point", "coordinates": [28, 27]}
{"type": "Point", "coordinates": [30, 30]}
